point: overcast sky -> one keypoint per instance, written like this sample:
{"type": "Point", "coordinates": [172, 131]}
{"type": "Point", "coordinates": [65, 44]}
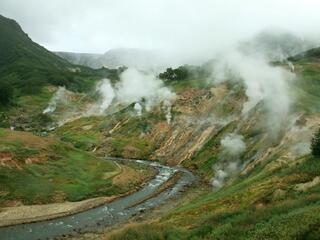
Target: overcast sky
{"type": "Point", "coordinates": [179, 25]}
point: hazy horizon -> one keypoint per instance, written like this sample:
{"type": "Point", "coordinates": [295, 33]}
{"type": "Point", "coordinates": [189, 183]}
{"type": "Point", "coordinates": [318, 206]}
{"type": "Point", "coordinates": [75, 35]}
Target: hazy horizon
{"type": "Point", "coordinates": [167, 26]}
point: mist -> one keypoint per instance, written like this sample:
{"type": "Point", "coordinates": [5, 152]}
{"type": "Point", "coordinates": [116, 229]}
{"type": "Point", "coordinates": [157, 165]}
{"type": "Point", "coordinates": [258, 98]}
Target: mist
{"type": "Point", "coordinates": [143, 89]}
{"type": "Point", "coordinates": [263, 82]}
{"type": "Point", "coordinates": [232, 146]}
{"type": "Point", "coordinates": [138, 108]}
{"type": "Point", "coordinates": [137, 86]}
{"type": "Point", "coordinates": [58, 97]}
{"type": "Point", "coordinates": [106, 96]}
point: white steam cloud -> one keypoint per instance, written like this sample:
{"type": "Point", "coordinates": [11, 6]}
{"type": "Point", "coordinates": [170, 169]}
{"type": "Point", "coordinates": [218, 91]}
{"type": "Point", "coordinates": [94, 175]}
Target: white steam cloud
{"type": "Point", "coordinates": [144, 90]}
{"type": "Point", "coordinates": [134, 87]}
{"type": "Point", "coordinates": [138, 108]}
{"type": "Point", "coordinates": [222, 172]}
{"type": "Point", "coordinates": [300, 139]}
{"type": "Point", "coordinates": [232, 146]}
{"type": "Point", "coordinates": [263, 82]}
{"type": "Point", "coordinates": [58, 97]}
{"type": "Point", "coordinates": [107, 94]}
{"type": "Point", "coordinates": [167, 108]}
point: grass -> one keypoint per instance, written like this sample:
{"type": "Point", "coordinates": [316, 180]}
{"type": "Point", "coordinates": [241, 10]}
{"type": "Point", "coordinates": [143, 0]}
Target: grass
{"type": "Point", "coordinates": [150, 232]}
{"type": "Point", "coordinates": [246, 209]}
{"type": "Point", "coordinates": [126, 141]}
{"type": "Point", "coordinates": [181, 85]}
{"type": "Point", "coordinates": [37, 101]}
{"type": "Point", "coordinates": [204, 159]}
{"type": "Point", "coordinates": [306, 88]}
{"type": "Point", "coordinates": [62, 172]}
{"type": "Point", "coordinates": [82, 141]}
{"type": "Point", "coordinates": [27, 110]}
{"type": "Point", "coordinates": [82, 177]}
{"type": "Point", "coordinates": [128, 137]}
{"type": "Point", "coordinates": [295, 222]}
{"type": "Point", "coordinates": [83, 133]}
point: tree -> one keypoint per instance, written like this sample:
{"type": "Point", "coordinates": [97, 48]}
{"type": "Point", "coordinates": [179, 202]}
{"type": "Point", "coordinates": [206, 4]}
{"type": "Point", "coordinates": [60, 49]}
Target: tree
{"type": "Point", "coordinates": [180, 73]}
{"type": "Point", "coordinates": [315, 144]}
{"type": "Point", "coordinates": [6, 93]}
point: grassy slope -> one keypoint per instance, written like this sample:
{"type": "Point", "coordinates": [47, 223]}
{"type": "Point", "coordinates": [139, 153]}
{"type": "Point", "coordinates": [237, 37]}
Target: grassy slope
{"type": "Point", "coordinates": [180, 85]}
{"type": "Point", "coordinates": [252, 209]}
{"type": "Point", "coordinates": [27, 109]}
{"type": "Point", "coordinates": [88, 133]}
{"type": "Point", "coordinates": [82, 133]}
{"type": "Point", "coordinates": [307, 86]}
{"type": "Point", "coordinates": [58, 172]}
{"type": "Point", "coordinates": [264, 205]}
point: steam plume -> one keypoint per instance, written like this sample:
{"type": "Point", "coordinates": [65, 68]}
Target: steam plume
{"type": "Point", "coordinates": [263, 82]}
{"type": "Point", "coordinates": [134, 86]}
{"type": "Point", "coordinates": [138, 108]}
{"type": "Point", "coordinates": [107, 95]}
{"type": "Point", "coordinates": [59, 96]}
{"type": "Point", "coordinates": [232, 146]}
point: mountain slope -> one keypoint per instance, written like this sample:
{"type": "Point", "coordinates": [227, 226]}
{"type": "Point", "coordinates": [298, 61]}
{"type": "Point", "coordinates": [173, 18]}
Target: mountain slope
{"type": "Point", "coordinates": [24, 63]}
{"type": "Point", "coordinates": [114, 58]}
{"type": "Point", "coordinates": [16, 46]}
{"type": "Point", "coordinates": [25, 66]}
{"type": "Point", "coordinates": [86, 59]}
{"type": "Point", "coordinates": [310, 55]}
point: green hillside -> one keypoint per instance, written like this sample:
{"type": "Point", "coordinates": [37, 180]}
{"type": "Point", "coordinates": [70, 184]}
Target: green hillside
{"type": "Point", "coordinates": [25, 66]}
{"type": "Point", "coordinates": [17, 47]}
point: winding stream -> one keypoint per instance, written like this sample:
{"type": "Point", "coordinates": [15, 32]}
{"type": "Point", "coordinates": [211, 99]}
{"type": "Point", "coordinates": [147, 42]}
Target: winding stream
{"type": "Point", "coordinates": [108, 214]}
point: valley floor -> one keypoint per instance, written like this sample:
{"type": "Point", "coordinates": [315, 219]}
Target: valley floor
{"type": "Point", "coordinates": [34, 213]}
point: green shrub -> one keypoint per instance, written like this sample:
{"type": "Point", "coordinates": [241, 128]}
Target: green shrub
{"type": "Point", "coordinates": [179, 73]}
{"type": "Point", "coordinates": [315, 144]}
